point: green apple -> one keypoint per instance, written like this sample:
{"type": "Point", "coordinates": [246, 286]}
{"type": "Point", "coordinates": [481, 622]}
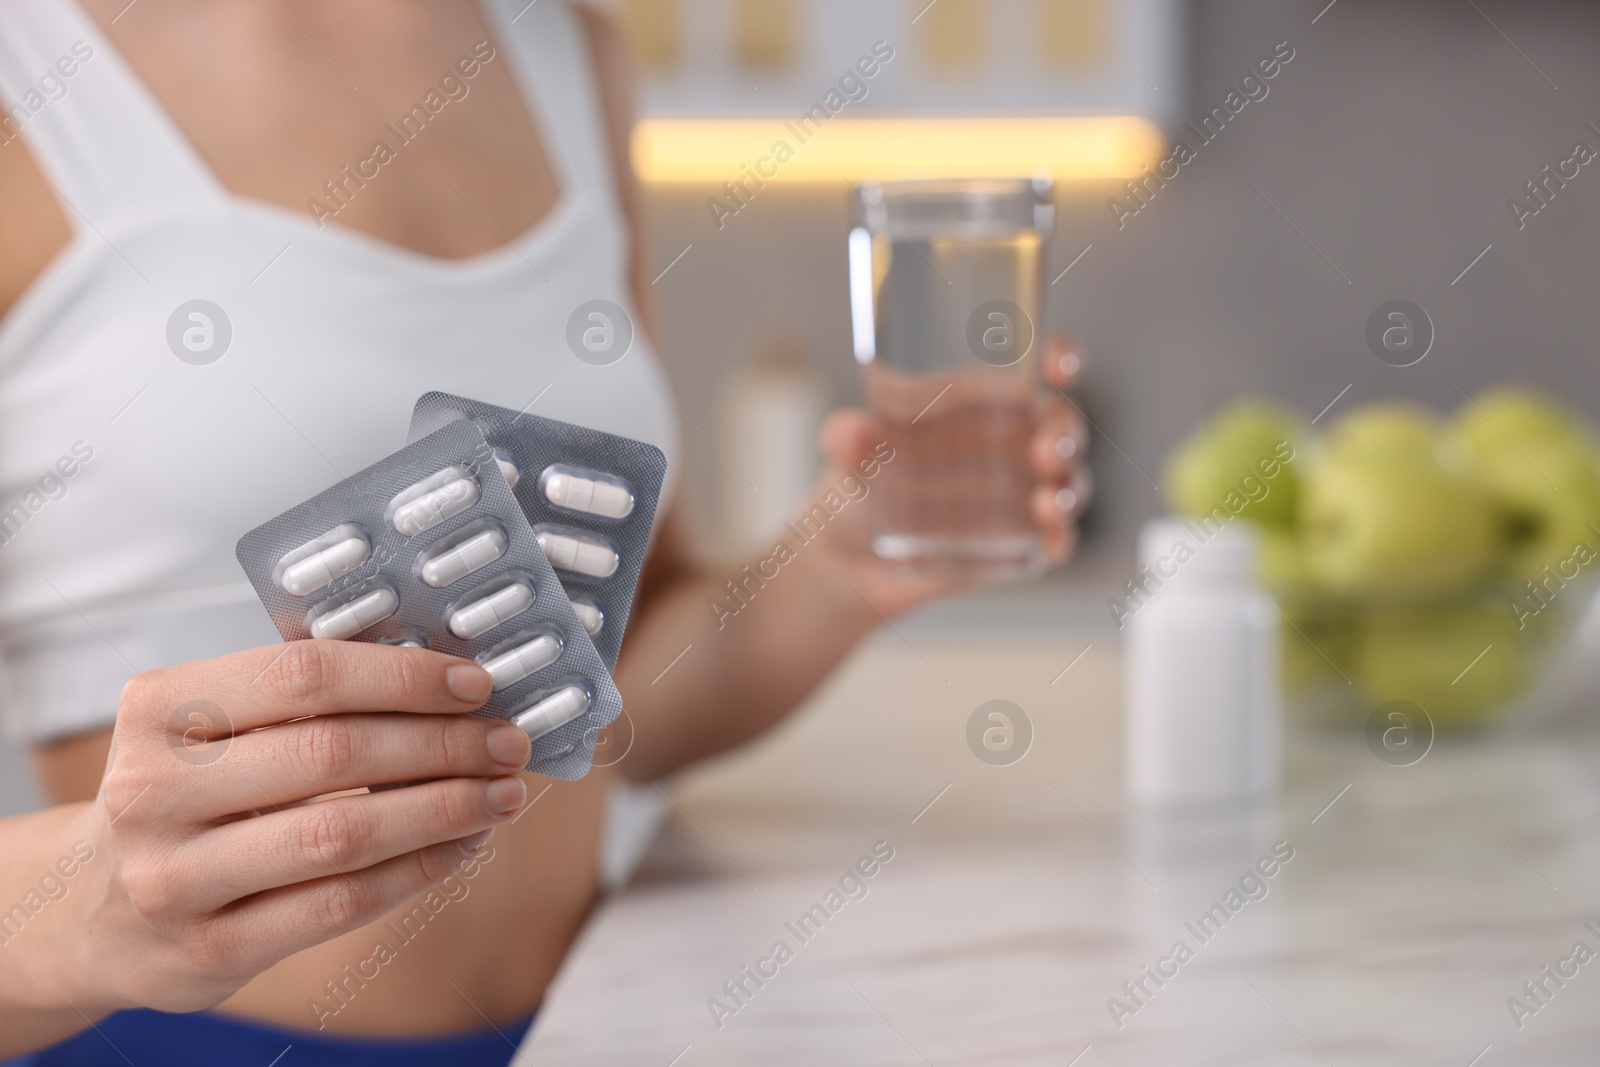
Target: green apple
{"type": "Point", "coordinates": [1548, 494]}
{"type": "Point", "coordinates": [1400, 528]}
{"type": "Point", "coordinates": [1385, 431]}
{"type": "Point", "coordinates": [1281, 562]}
{"type": "Point", "coordinates": [1507, 418]}
{"type": "Point", "coordinates": [1239, 462]}
{"type": "Point", "coordinates": [1458, 663]}
{"type": "Point", "coordinates": [1538, 462]}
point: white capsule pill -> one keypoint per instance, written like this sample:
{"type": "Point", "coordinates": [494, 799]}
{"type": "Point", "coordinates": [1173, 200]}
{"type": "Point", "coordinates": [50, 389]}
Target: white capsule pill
{"type": "Point", "coordinates": [553, 712]}
{"type": "Point", "coordinates": [594, 496]}
{"type": "Point", "coordinates": [435, 506]}
{"type": "Point", "coordinates": [513, 665]}
{"type": "Point", "coordinates": [460, 561]}
{"type": "Point", "coordinates": [508, 467]}
{"type": "Point", "coordinates": [578, 554]}
{"type": "Point", "coordinates": [590, 615]}
{"type": "Point", "coordinates": [318, 569]}
{"type": "Point", "coordinates": [485, 613]}
{"type": "Point", "coordinates": [352, 618]}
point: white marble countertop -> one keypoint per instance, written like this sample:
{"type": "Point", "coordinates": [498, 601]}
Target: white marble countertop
{"type": "Point", "coordinates": [1021, 898]}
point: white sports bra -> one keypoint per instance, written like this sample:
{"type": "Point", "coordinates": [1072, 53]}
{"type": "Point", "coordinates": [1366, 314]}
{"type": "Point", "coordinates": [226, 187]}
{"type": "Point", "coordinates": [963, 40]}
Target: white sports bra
{"type": "Point", "coordinates": [127, 473]}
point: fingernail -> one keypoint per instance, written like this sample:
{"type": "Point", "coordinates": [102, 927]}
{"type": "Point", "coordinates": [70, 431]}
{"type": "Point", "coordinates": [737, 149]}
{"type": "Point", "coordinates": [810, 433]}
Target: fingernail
{"type": "Point", "coordinates": [1066, 499]}
{"type": "Point", "coordinates": [469, 845]}
{"type": "Point", "coordinates": [1066, 447]}
{"type": "Point", "coordinates": [508, 745]}
{"type": "Point", "coordinates": [1071, 362]}
{"type": "Point", "coordinates": [467, 681]}
{"type": "Point", "coordinates": [505, 795]}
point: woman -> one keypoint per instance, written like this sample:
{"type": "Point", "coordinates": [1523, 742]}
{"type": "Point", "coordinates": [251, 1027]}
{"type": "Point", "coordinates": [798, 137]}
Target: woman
{"type": "Point", "coordinates": [373, 199]}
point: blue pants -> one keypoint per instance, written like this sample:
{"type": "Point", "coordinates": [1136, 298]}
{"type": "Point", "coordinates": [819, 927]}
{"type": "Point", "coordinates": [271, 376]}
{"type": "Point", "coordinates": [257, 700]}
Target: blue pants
{"type": "Point", "coordinates": [157, 1039]}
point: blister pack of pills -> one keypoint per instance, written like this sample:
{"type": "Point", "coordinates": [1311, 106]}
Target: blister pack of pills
{"type": "Point", "coordinates": [428, 547]}
{"type": "Point", "coordinates": [589, 496]}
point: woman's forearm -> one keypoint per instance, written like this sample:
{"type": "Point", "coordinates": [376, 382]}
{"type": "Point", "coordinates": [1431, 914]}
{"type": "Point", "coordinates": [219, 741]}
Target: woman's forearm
{"type": "Point", "coordinates": [708, 668]}
{"type": "Point", "coordinates": [48, 878]}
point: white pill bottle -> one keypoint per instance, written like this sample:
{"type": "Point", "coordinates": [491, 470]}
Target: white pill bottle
{"type": "Point", "coordinates": [1203, 715]}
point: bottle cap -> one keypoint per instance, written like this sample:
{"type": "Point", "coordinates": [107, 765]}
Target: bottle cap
{"type": "Point", "coordinates": [1173, 546]}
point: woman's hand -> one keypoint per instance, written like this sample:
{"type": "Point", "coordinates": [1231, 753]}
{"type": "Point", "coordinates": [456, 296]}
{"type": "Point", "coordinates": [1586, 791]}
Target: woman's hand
{"type": "Point", "coordinates": [1061, 490]}
{"type": "Point", "coordinates": [207, 868]}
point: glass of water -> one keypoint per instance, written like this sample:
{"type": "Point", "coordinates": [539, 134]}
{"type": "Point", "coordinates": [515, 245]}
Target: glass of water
{"type": "Point", "coordinates": [945, 297]}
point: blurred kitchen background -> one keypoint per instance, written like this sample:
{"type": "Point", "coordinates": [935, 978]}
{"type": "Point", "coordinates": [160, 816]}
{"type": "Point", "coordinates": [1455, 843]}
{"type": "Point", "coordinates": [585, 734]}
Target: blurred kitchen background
{"type": "Point", "coordinates": [1378, 166]}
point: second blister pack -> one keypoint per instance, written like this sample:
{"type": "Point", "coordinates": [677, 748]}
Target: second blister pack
{"type": "Point", "coordinates": [428, 547]}
{"type": "Point", "coordinates": [589, 496]}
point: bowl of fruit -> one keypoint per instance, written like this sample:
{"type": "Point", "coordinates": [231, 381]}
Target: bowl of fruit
{"type": "Point", "coordinates": [1439, 560]}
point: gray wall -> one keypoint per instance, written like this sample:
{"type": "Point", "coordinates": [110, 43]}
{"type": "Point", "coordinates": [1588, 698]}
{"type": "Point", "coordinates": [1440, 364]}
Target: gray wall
{"type": "Point", "coordinates": [1392, 141]}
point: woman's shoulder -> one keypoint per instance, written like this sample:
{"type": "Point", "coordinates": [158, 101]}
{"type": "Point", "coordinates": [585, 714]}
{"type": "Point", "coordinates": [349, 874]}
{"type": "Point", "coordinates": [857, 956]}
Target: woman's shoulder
{"type": "Point", "coordinates": [33, 228]}
{"type": "Point", "coordinates": [608, 48]}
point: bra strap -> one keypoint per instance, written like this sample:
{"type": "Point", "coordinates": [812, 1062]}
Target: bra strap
{"type": "Point", "coordinates": [94, 130]}
{"type": "Point", "coordinates": [550, 52]}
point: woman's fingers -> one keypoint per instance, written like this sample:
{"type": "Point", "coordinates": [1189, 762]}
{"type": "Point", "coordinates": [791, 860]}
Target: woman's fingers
{"type": "Point", "coordinates": [1063, 361]}
{"type": "Point", "coordinates": [1056, 509]}
{"type": "Point", "coordinates": [1074, 498]}
{"type": "Point", "coordinates": [1056, 531]}
{"type": "Point", "coordinates": [328, 753]}
{"type": "Point", "coordinates": [1056, 451]}
{"type": "Point", "coordinates": [346, 835]}
{"type": "Point", "coordinates": [283, 921]}
{"type": "Point", "coordinates": [263, 686]}
{"type": "Point", "coordinates": [203, 897]}
{"type": "Point", "coordinates": [849, 436]}
{"type": "Point", "coordinates": [1059, 443]}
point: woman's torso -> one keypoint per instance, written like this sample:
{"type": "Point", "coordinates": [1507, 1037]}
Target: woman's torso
{"type": "Point", "coordinates": [455, 264]}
